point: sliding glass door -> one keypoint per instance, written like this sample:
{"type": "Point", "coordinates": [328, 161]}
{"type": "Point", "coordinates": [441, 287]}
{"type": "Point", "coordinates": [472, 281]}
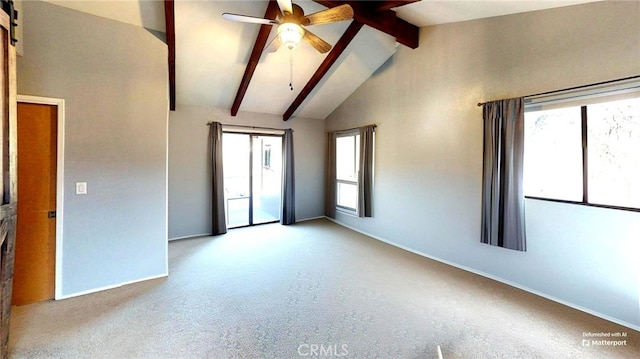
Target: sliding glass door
{"type": "Point", "coordinates": [252, 178]}
{"type": "Point", "coordinates": [267, 178]}
{"type": "Point", "coordinates": [237, 178]}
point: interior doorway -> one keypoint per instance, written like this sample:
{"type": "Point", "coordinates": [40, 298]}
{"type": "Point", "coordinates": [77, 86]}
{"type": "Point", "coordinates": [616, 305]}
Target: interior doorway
{"type": "Point", "coordinates": [40, 124]}
{"type": "Point", "coordinates": [252, 165]}
{"type": "Point", "coordinates": [34, 271]}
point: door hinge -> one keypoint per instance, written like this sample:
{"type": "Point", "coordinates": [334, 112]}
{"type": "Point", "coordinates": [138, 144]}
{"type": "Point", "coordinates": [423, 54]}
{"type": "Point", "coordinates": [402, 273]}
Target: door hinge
{"type": "Point", "coordinates": [51, 214]}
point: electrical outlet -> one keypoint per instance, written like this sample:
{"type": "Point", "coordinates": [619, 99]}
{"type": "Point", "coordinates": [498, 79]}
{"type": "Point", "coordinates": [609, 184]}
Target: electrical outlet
{"type": "Point", "coordinates": [81, 187]}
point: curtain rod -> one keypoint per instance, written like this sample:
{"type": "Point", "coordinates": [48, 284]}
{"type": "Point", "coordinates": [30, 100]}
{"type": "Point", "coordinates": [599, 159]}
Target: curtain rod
{"type": "Point", "coordinates": [253, 127]}
{"type": "Point", "coordinates": [574, 88]}
{"type": "Point", "coordinates": [355, 128]}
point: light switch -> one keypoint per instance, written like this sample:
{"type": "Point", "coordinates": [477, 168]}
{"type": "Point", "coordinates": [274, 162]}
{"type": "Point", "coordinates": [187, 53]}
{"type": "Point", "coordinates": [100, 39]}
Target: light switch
{"type": "Point", "coordinates": [81, 187]}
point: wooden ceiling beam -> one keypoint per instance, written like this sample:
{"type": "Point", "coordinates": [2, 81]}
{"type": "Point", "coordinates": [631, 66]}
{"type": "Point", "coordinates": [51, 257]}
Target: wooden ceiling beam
{"type": "Point", "coordinates": [367, 12]}
{"type": "Point", "coordinates": [329, 60]}
{"type": "Point", "coordinates": [258, 48]}
{"type": "Point", "coordinates": [170, 28]}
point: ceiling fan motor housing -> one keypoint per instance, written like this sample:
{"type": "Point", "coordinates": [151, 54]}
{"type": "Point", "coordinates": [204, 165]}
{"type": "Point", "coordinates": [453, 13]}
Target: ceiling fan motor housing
{"type": "Point", "coordinates": [290, 31]}
{"type": "Point", "coordinates": [290, 34]}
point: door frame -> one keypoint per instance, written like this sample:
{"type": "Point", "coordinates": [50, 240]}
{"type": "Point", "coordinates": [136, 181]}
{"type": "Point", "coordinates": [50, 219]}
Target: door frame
{"type": "Point", "coordinates": [251, 134]}
{"type": "Point", "coordinates": [59, 103]}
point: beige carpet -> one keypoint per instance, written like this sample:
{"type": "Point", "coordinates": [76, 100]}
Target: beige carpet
{"type": "Point", "coordinates": [313, 289]}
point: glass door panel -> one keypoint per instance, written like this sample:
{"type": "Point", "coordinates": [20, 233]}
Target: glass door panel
{"type": "Point", "coordinates": [236, 158]}
{"type": "Point", "coordinates": [267, 178]}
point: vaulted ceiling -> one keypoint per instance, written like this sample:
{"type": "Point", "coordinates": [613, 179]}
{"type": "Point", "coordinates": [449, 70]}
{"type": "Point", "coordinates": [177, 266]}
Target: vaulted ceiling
{"type": "Point", "coordinates": [212, 56]}
{"type": "Point", "coordinates": [230, 55]}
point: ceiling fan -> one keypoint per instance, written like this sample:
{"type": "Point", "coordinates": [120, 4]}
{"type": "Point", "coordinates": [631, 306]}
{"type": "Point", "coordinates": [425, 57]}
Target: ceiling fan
{"type": "Point", "coordinates": [291, 21]}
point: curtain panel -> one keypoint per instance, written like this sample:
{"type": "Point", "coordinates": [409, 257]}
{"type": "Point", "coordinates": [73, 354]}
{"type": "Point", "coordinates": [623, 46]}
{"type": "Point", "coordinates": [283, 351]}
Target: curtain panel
{"type": "Point", "coordinates": [219, 223]}
{"type": "Point", "coordinates": [365, 176]}
{"type": "Point", "coordinates": [503, 220]}
{"type": "Point", "coordinates": [288, 215]}
{"type": "Point", "coordinates": [330, 181]}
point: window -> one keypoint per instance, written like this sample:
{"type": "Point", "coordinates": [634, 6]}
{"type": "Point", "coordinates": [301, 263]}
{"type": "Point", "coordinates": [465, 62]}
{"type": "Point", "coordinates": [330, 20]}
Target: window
{"type": "Point", "coordinates": [347, 165]}
{"type": "Point", "coordinates": [586, 154]}
{"type": "Point", "coordinates": [614, 153]}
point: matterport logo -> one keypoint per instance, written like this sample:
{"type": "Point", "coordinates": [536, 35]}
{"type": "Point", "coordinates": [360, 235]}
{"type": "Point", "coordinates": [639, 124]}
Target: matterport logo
{"type": "Point", "coordinates": [323, 350]}
{"type": "Point", "coordinates": [608, 339]}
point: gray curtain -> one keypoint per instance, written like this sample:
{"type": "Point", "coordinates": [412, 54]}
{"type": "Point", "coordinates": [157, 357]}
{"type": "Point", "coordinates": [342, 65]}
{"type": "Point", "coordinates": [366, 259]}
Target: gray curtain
{"type": "Point", "coordinates": [365, 175]}
{"type": "Point", "coordinates": [330, 181]}
{"type": "Point", "coordinates": [219, 222]}
{"type": "Point", "coordinates": [288, 215]}
{"type": "Point", "coordinates": [503, 221]}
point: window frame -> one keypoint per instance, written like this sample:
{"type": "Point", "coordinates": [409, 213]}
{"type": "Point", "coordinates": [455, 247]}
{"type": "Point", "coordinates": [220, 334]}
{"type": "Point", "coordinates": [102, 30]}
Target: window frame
{"type": "Point", "coordinates": [585, 172]}
{"type": "Point", "coordinates": [340, 208]}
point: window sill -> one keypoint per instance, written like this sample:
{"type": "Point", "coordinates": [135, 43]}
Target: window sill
{"type": "Point", "coordinates": [347, 211]}
{"type": "Point", "coordinates": [629, 209]}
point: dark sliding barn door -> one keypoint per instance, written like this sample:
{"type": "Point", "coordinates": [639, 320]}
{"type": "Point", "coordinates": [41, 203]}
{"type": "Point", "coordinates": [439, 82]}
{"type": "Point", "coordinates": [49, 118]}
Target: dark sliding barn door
{"type": "Point", "coordinates": [8, 176]}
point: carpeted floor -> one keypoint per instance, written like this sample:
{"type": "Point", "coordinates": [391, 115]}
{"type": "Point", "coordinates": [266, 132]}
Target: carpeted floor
{"type": "Point", "coordinates": [313, 289]}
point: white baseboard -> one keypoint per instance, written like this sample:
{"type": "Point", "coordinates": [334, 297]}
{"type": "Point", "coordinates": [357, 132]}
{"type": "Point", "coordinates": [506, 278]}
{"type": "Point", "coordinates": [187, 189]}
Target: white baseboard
{"type": "Point", "coordinates": [191, 236]}
{"type": "Point", "coordinates": [491, 276]}
{"type": "Point", "coordinates": [95, 290]}
{"type": "Point", "coordinates": [310, 219]}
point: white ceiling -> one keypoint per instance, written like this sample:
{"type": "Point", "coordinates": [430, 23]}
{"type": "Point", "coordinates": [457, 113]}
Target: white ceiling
{"type": "Point", "coordinates": [434, 12]}
{"type": "Point", "coordinates": [212, 53]}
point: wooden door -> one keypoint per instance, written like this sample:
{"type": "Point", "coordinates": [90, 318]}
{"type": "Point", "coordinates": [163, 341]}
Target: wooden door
{"type": "Point", "coordinates": [8, 176]}
{"type": "Point", "coordinates": [34, 271]}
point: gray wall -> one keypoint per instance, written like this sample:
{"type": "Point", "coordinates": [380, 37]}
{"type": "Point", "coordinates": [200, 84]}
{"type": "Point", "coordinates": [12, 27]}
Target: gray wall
{"type": "Point", "coordinates": [113, 78]}
{"type": "Point", "coordinates": [429, 150]}
{"type": "Point", "coordinates": [189, 183]}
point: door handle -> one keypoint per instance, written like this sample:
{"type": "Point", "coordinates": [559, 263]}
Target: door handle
{"type": "Point", "coordinates": [51, 214]}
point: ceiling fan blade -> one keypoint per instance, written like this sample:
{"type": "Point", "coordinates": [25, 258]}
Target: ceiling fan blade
{"type": "Point", "coordinates": [274, 45]}
{"type": "Point", "coordinates": [317, 43]}
{"type": "Point", "coordinates": [249, 19]}
{"type": "Point", "coordinates": [285, 6]}
{"type": "Point", "coordinates": [335, 14]}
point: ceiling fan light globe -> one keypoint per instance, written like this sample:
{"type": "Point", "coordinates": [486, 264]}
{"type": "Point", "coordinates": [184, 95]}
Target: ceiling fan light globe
{"type": "Point", "coordinates": [290, 34]}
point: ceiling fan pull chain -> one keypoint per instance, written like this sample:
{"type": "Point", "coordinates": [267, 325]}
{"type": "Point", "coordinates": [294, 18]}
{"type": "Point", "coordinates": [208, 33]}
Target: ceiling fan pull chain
{"type": "Point", "coordinates": [291, 69]}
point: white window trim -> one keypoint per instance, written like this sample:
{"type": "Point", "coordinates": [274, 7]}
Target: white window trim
{"type": "Point", "coordinates": [587, 95]}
